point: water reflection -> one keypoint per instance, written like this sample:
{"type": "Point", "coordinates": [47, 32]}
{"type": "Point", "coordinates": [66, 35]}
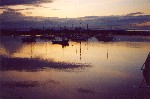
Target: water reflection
{"type": "Point", "coordinates": [38, 70]}
{"type": "Point", "coordinates": [28, 84]}
{"type": "Point", "coordinates": [85, 91]}
{"type": "Point", "coordinates": [35, 64]}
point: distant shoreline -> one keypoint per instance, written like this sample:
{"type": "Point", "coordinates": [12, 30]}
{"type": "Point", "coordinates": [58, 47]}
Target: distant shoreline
{"type": "Point", "coordinates": [67, 32]}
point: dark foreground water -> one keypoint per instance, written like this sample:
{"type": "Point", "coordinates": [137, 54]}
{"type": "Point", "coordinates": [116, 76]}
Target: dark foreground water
{"type": "Point", "coordinates": [86, 70]}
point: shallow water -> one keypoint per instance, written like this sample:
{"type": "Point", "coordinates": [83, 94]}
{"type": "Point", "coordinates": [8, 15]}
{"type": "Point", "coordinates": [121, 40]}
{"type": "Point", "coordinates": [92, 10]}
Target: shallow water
{"type": "Point", "coordinates": [82, 70]}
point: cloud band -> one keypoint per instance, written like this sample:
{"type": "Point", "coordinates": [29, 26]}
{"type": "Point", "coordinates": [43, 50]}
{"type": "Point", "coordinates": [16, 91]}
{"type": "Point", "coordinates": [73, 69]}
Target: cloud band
{"type": "Point", "coordinates": [23, 2]}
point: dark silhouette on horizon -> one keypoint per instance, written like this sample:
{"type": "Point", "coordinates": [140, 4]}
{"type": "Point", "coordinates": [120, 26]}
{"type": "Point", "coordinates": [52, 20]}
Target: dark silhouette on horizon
{"type": "Point", "coordinates": [65, 31]}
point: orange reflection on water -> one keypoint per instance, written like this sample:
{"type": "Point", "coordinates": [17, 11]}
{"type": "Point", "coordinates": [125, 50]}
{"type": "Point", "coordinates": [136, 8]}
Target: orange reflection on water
{"type": "Point", "coordinates": [86, 53]}
{"type": "Point", "coordinates": [3, 51]}
{"type": "Point", "coordinates": [114, 65]}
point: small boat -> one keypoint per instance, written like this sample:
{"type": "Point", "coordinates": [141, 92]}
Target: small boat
{"type": "Point", "coordinates": [29, 39]}
{"type": "Point", "coordinates": [79, 38]}
{"type": "Point", "coordinates": [62, 41]}
{"type": "Point", "coordinates": [46, 36]}
{"type": "Point", "coordinates": [146, 71]}
{"type": "Point", "coordinates": [105, 38]}
{"type": "Point", "coordinates": [146, 65]}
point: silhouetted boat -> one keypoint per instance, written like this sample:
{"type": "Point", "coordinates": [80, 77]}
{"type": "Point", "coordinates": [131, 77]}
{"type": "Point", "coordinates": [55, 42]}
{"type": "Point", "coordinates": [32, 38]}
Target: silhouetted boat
{"type": "Point", "coordinates": [62, 41]}
{"type": "Point", "coordinates": [79, 38]}
{"type": "Point", "coordinates": [46, 36]}
{"type": "Point", "coordinates": [146, 71]}
{"type": "Point", "coordinates": [29, 39]}
{"type": "Point", "coordinates": [146, 65]}
{"type": "Point", "coordinates": [105, 38]}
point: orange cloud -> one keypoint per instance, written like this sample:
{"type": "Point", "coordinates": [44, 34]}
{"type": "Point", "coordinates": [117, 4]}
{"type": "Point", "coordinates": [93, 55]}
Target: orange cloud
{"type": "Point", "coordinates": [143, 24]}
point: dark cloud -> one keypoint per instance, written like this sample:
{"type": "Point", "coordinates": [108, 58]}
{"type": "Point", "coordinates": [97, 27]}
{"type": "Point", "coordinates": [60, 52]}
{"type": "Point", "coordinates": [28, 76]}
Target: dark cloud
{"type": "Point", "coordinates": [6, 9]}
{"type": "Point", "coordinates": [2, 8]}
{"type": "Point", "coordinates": [135, 13]}
{"type": "Point", "coordinates": [9, 13]}
{"type": "Point", "coordinates": [12, 19]}
{"type": "Point", "coordinates": [23, 2]}
{"type": "Point", "coordinates": [23, 9]}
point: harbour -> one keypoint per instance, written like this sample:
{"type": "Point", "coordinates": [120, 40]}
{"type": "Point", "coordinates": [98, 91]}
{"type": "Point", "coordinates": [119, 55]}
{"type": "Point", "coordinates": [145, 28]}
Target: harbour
{"type": "Point", "coordinates": [86, 69]}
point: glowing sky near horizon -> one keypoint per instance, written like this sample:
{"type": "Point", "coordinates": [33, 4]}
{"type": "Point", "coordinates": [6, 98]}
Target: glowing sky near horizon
{"type": "Point", "coordinates": [81, 8]}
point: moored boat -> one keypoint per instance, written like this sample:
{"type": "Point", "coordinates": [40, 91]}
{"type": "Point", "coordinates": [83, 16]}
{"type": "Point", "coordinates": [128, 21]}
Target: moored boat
{"type": "Point", "coordinates": [146, 71]}
{"type": "Point", "coordinates": [46, 36]}
{"type": "Point", "coordinates": [62, 41]}
{"type": "Point", "coordinates": [105, 38]}
{"type": "Point", "coordinates": [79, 38]}
{"type": "Point", "coordinates": [29, 39]}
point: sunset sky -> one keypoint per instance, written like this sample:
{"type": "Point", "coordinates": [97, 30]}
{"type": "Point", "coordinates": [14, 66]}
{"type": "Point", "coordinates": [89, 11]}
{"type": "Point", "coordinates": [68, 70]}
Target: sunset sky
{"type": "Point", "coordinates": [76, 8]}
{"type": "Point", "coordinates": [99, 14]}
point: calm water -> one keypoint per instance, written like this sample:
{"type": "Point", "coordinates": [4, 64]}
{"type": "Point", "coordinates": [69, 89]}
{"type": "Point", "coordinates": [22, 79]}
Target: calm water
{"type": "Point", "coordinates": [86, 70]}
